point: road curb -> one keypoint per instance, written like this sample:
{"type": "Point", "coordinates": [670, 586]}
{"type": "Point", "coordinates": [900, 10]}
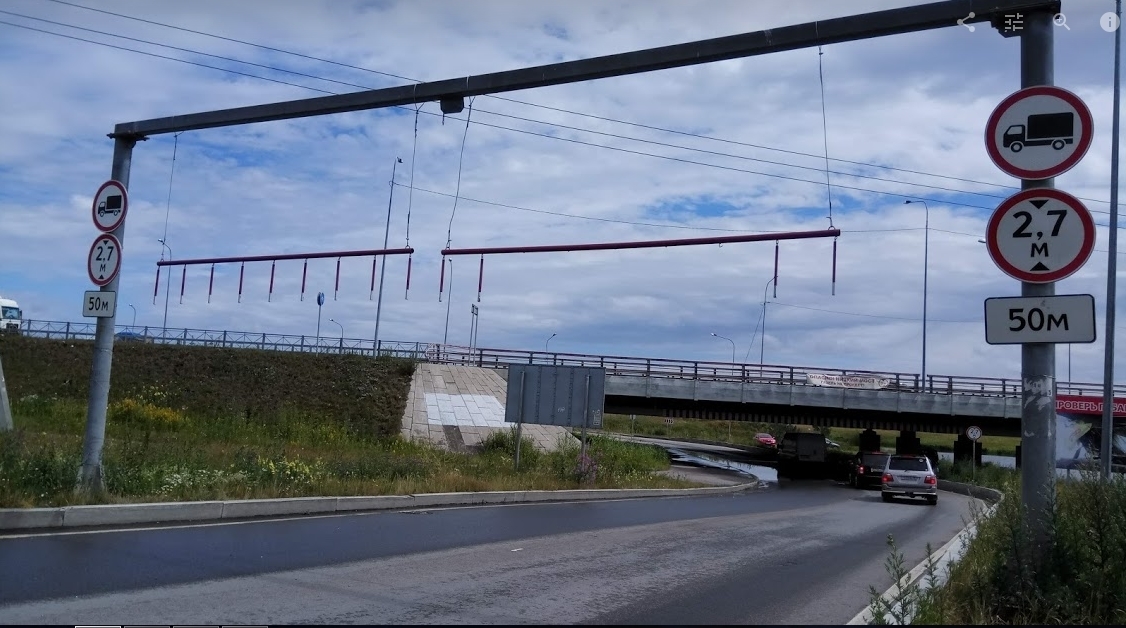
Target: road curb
{"type": "Point", "coordinates": [944, 557]}
{"type": "Point", "coordinates": [69, 517]}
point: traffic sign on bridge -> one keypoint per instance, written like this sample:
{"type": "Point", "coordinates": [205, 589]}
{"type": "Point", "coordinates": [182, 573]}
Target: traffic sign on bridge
{"type": "Point", "coordinates": [1039, 132]}
{"type": "Point", "coordinates": [1040, 235]}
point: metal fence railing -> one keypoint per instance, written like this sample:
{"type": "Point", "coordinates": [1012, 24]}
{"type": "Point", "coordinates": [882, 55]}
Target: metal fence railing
{"type": "Point", "coordinates": [755, 373]}
{"type": "Point", "coordinates": [614, 365]}
{"type": "Point", "coordinates": [231, 339]}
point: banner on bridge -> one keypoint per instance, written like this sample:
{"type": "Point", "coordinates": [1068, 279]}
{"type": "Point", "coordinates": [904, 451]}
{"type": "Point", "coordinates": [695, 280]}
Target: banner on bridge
{"type": "Point", "coordinates": [869, 382]}
{"type": "Point", "coordinates": [1077, 404]}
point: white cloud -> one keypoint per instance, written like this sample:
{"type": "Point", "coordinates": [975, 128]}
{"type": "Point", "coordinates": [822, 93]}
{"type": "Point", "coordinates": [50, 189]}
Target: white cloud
{"type": "Point", "coordinates": [916, 102]}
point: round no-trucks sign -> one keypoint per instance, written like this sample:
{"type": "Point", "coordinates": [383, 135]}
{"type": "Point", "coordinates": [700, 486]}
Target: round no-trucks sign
{"type": "Point", "coordinates": [110, 205]}
{"type": "Point", "coordinates": [104, 261]}
{"type": "Point", "coordinates": [1040, 235]}
{"type": "Point", "coordinates": [1039, 132]}
{"type": "Point", "coordinates": [973, 432]}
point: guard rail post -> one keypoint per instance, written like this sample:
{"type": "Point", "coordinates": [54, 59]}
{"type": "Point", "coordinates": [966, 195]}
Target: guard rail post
{"type": "Point", "coordinates": [67, 332]}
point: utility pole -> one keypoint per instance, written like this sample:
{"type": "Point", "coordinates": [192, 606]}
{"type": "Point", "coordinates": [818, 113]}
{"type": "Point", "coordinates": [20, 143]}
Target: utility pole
{"type": "Point", "coordinates": [1038, 360]}
{"type": "Point", "coordinates": [383, 270]}
{"type": "Point", "coordinates": [1107, 448]}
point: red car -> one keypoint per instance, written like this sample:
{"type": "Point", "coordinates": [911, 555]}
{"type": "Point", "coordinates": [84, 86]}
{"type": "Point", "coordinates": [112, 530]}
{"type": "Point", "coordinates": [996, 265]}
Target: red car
{"type": "Point", "coordinates": [765, 440]}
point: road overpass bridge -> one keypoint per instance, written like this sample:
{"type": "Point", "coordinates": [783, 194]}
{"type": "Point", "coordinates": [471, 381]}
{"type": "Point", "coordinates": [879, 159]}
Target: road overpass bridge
{"type": "Point", "coordinates": [766, 393]}
{"type": "Point", "coordinates": [793, 395]}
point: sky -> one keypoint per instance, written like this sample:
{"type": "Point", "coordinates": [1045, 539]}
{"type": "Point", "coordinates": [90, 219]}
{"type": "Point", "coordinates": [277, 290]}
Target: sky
{"type": "Point", "coordinates": [794, 141]}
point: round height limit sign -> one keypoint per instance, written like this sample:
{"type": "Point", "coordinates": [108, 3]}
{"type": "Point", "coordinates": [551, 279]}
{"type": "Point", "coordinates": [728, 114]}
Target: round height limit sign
{"type": "Point", "coordinates": [1040, 235]}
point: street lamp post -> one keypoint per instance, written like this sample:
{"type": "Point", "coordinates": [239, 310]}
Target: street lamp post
{"type": "Point", "coordinates": [732, 345]}
{"type": "Point", "coordinates": [167, 288]}
{"type": "Point", "coordinates": [732, 364]}
{"type": "Point", "coordinates": [134, 315]}
{"type": "Point", "coordinates": [333, 320]}
{"type": "Point", "coordinates": [547, 342]}
{"type": "Point", "coordinates": [926, 257]}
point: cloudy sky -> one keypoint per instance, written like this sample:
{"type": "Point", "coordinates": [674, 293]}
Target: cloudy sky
{"type": "Point", "coordinates": [719, 149]}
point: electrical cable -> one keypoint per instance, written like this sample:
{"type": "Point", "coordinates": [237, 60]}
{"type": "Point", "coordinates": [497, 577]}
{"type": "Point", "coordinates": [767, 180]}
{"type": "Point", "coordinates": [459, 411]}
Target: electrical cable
{"type": "Point", "coordinates": [825, 135]}
{"type": "Point", "coordinates": [546, 107]}
{"type": "Point", "coordinates": [898, 318]}
{"type": "Point", "coordinates": [796, 179]}
{"type": "Point", "coordinates": [460, 161]}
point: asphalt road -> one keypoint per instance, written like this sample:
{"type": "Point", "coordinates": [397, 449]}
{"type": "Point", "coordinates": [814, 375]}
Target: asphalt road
{"type": "Point", "coordinates": [796, 553]}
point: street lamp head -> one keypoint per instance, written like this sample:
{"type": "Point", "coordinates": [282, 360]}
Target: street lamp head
{"type": "Point", "coordinates": [714, 334]}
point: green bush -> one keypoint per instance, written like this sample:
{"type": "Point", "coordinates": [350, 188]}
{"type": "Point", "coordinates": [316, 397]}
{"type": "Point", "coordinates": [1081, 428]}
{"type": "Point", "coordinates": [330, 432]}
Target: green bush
{"type": "Point", "coordinates": [1004, 578]}
{"type": "Point", "coordinates": [503, 442]}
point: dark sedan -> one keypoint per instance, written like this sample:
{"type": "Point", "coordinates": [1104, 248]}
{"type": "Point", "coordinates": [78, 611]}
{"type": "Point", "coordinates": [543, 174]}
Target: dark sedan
{"type": "Point", "coordinates": [867, 469]}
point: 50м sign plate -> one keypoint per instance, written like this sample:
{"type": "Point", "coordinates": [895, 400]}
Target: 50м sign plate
{"type": "Point", "coordinates": [1059, 319]}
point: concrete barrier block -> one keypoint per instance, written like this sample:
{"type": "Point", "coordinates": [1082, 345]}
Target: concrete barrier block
{"type": "Point", "coordinates": [29, 518]}
{"type": "Point", "coordinates": [124, 514]}
{"type": "Point", "coordinates": [373, 502]}
{"type": "Point", "coordinates": [279, 506]}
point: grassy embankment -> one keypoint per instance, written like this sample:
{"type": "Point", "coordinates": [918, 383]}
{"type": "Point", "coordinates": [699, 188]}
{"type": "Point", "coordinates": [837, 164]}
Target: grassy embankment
{"type": "Point", "coordinates": [191, 423]}
{"type": "Point", "coordinates": [743, 433]}
{"type": "Point", "coordinates": [1080, 580]}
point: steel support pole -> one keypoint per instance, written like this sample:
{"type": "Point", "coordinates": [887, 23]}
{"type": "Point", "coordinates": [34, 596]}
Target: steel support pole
{"type": "Point", "coordinates": [449, 301]}
{"type": "Point", "coordinates": [1038, 360]}
{"type": "Point", "coordinates": [383, 270]}
{"type": "Point", "coordinates": [90, 473]}
{"type": "Point", "coordinates": [1106, 457]}
{"type": "Point", "coordinates": [167, 291]}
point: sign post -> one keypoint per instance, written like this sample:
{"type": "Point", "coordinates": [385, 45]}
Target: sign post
{"type": "Point", "coordinates": [108, 210]}
{"type": "Point", "coordinates": [1038, 236]}
{"type": "Point", "coordinates": [973, 433]}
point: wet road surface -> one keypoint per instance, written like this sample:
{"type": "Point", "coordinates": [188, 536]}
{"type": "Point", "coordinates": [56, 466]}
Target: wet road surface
{"type": "Point", "coordinates": [793, 552]}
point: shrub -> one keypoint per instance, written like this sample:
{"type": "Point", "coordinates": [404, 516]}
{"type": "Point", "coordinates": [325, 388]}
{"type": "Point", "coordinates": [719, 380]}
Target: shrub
{"type": "Point", "coordinates": [144, 415]}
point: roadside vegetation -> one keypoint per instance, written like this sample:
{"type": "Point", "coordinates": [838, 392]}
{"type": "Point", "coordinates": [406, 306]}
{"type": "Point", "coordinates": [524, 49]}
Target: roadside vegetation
{"type": "Point", "coordinates": [185, 424]}
{"type": "Point", "coordinates": [1001, 579]}
{"type": "Point", "coordinates": [734, 432]}
{"type": "Point", "coordinates": [849, 438]}
{"type": "Point", "coordinates": [743, 433]}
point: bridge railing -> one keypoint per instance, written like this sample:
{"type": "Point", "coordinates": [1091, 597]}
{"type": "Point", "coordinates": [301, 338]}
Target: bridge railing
{"type": "Point", "coordinates": [500, 358]}
{"type": "Point", "coordinates": [338, 345]}
{"type": "Point", "coordinates": [751, 373]}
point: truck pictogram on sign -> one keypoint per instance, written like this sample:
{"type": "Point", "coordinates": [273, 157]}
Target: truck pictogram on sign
{"type": "Point", "coordinates": [1042, 129]}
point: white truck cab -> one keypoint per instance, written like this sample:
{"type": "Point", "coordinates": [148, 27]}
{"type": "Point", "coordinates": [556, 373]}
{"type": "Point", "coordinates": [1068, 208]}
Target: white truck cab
{"type": "Point", "coordinates": [10, 316]}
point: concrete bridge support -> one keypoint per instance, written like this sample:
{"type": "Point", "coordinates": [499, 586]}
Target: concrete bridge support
{"type": "Point", "coordinates": [964, 451]}
{"type": "Point", "coordinates": [869, 440]}
{"type": "Point", "coordinates": [908, 443]}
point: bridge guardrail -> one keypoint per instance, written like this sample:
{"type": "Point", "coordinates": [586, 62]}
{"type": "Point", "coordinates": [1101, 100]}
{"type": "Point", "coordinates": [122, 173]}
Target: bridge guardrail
{"type": "Point", "coordinates": [229, 339]}
{"type": "Point", "coordinates": [497, 358]}
{"type": "Point", "coordinates": [749, 373]}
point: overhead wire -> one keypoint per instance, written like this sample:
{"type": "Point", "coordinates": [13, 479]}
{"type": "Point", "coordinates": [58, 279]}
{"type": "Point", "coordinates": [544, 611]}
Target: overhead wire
{"type": "Point", "coordinates": [545, 107]}
{"type": "Point", "coordinates": [826, 170]}
{"type": "Point", "coordinates": [637, 223]}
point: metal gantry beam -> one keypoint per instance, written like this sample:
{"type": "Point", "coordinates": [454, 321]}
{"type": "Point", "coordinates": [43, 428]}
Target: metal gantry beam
{"type": "Point", "coordinates": [645, 244]}
{"type": "Point", "coordinates": [850, 28]}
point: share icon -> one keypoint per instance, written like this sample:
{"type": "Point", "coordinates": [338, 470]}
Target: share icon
{"type": "Point", "coordinates": [962, 21]}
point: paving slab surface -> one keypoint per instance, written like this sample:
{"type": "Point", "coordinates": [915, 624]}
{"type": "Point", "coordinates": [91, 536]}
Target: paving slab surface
{"type": "Point", "coordinates": [457, 407]}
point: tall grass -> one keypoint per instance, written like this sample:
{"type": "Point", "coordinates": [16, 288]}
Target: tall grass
{"type": "Point", "coordinates": [1004, 578]}
{"type": "Point", "coordinates": [157, 453]}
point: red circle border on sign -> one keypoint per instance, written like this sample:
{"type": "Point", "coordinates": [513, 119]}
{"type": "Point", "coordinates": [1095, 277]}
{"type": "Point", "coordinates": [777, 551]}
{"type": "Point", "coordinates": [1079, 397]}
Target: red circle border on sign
{"type": "Point", "coordinates": [1066, 271]}
{"type": "Point", "coordinates": [117, 268]}
{"type": "Point", "coordinates": [1040, 90]}
{"type": "Point", "coordinates": [124, 206]}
